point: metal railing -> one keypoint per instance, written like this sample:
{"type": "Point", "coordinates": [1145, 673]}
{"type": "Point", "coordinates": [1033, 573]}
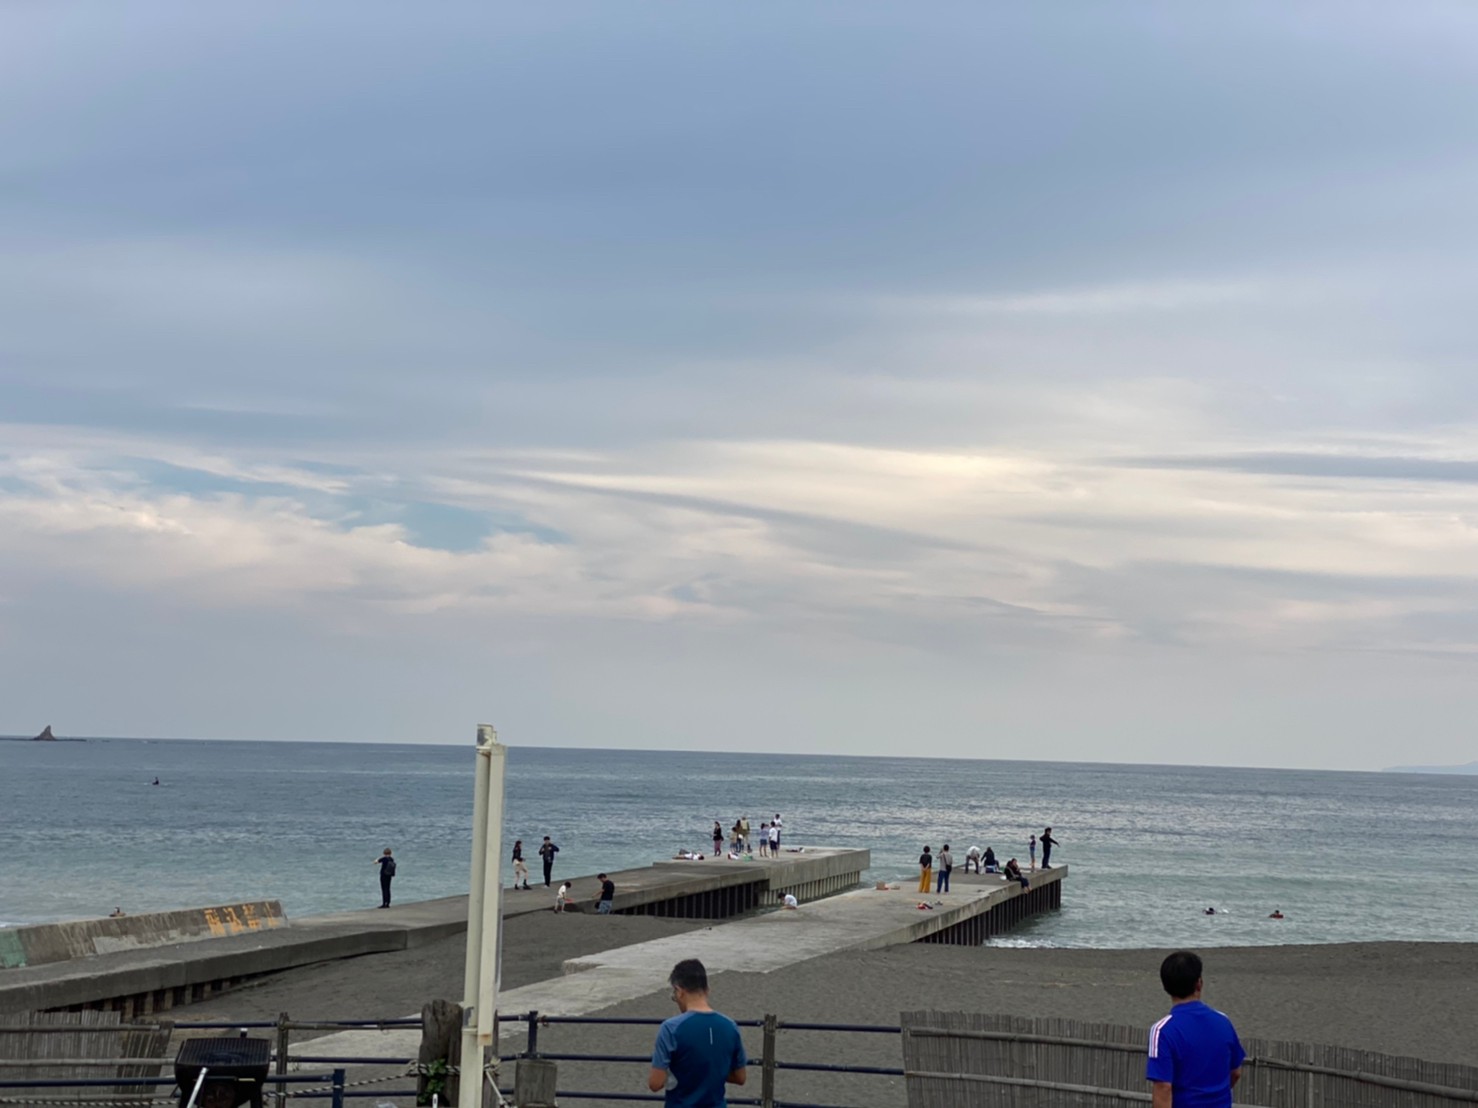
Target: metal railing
{"type": "Point", "coordinates": [338, 1088]}
{"type": "Point", "coordinates": [333, 1083]}
{"type": "Point", "coordinates": [769, 1064]}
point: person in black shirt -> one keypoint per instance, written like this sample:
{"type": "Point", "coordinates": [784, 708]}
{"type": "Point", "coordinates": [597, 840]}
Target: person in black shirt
{"type": "Point", "coordinates": [1013, 871]}
{"type": "Point", "coordinates": [520, 871]}
{"type": "Point", "coordinates": [547, 851]}
{"type": "Point", "coordinates": [1048, 842]}
{"type": "Point", "coordinates": [607, 894]}
{"type": "Point", "coordinates": [387, 871]}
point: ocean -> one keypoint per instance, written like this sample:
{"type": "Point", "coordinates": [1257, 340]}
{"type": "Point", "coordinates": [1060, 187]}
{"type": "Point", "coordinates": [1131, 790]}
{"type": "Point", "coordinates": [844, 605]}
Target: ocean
{"type": "Point", "coordinates": [1347, 857]}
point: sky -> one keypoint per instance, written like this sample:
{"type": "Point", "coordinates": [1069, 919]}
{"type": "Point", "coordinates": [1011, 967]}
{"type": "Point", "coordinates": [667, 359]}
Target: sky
{"type": "Point", "coordinates": [1072, 381]}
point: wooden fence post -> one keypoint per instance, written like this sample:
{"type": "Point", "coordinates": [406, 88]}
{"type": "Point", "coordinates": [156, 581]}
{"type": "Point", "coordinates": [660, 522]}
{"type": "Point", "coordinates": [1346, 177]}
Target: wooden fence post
{"type": "Point", "coordinates": [767, 1072]}
{"type": "Point", "coordinates": [441, 1041]}
{"type": "Point", "coordinates": [534, 1080]}
{"type": "Point", "coordinates": [284, 1045]}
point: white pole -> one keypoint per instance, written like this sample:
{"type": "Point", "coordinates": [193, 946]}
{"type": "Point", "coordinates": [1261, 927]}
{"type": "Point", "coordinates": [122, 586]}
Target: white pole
{"type": "Point", "coordinates": [492, 921]}
{"type": "Point", "coordinates": [486, 736]}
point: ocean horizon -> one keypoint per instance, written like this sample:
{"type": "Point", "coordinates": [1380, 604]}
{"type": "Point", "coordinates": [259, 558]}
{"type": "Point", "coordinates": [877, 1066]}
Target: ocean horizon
{"type": "Point", "coordinates": [1148, 846]}
{"type": "Point", "coordinates": [1436, 770]}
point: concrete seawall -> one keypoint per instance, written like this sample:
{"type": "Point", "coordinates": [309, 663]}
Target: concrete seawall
{"type": "Point", "coordinates": [45, 943]}
{"type": "Point", "coordinates": [145, 979]}
{"type": "Point", "coordinates": [139, 977]}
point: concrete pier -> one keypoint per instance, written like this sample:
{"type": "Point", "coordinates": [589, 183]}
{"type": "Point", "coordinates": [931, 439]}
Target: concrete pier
{"type": "Point", "coordinates": [866, 919]}
{"type": "Point", "coordinates": [150, 980]}
{"type": "Point", "coordinates": [43, 943]}
{"type": "Point", "coordinates": [161, 964]}
{"type": "Point", "coordinates": [717, 888]}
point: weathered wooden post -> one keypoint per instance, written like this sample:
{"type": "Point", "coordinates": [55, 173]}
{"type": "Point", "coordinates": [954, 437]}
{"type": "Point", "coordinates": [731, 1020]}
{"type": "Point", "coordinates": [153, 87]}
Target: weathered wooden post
{"type": "Point", "coordinates": [533, 1083]}
{"type": "Point", "coordinates": [441, 1050]}
{"type": "Point", "coordinates": [767, 1071]}
{"type": "Point", "coordinates": [284, 1042]}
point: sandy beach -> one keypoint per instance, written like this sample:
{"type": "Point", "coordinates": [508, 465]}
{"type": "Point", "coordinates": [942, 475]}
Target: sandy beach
{"type": "Point", "coordinates": [1398, 998]}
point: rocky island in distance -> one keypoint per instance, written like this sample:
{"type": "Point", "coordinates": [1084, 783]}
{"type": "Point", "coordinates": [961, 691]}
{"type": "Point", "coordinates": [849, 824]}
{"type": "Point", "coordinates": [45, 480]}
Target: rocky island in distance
{"type": "Point", "coordinates": [45, 737]}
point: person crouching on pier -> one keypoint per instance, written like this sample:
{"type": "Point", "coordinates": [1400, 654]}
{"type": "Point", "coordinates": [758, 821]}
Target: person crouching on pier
{"type": "Point", "coordinates": [926, 870]}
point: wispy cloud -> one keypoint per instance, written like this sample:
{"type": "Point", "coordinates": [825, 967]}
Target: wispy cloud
{"type": "Point", "coordinates": [1129, 298]}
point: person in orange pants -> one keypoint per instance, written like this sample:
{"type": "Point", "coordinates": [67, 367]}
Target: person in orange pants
{"type": "Point", "coordinates": [926, 871]}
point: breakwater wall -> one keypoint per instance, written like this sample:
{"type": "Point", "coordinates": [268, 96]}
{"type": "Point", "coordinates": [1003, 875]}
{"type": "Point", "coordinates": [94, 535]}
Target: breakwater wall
{"type": "Point", "coordinates": [1000, 912]}
{"type": "Point", "coordinates": [718, 888]}
{"type": "Point", "coordinates": [45, 943]}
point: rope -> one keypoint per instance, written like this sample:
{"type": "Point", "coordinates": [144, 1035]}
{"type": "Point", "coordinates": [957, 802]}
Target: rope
{"type": "Point", "coordinates": [396, 1076]}
{"type": "Point", "coordinates": [93, 1103]}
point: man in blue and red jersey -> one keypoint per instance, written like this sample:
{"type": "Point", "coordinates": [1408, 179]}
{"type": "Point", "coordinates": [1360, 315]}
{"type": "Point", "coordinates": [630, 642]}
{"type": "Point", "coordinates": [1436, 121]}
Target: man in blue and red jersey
{"type": "Point", "coordinates": [699, 1049]}
{"type": "Point", "coordinates": [1195, 1056]}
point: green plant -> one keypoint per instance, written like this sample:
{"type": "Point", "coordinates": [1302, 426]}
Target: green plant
{"type": "Point", "coordinates": [435, 1084]}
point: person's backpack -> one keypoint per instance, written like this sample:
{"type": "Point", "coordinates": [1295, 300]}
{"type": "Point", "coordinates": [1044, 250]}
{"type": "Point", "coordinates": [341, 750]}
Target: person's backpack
{"type": "Point", "coordinates": [390, 868]}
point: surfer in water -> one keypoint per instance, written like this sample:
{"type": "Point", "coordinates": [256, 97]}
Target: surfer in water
{"type": "Point", "coordinates": [156, 780]}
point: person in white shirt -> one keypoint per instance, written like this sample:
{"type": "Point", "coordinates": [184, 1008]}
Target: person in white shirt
{"type": "Point", "coordinates": [789, 901]}
{"type": "Point", "coordinates": [562, 897]}
{"type": "Point", "coordinates": [775, 825]}
{"type": "Point", "coordinates": [972, 855]}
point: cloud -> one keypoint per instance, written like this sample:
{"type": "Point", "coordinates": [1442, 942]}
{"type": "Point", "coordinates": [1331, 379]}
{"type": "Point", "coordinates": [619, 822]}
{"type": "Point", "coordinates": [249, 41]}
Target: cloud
{"type": "Point", "coordinates": [638, 375]}
{"type": "Point", "coordinates": [1333, 466]}
{"type": "Point", "coordinates": [1105, 300]}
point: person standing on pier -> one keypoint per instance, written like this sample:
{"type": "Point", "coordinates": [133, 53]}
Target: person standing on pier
{"type": "Point", "coordinates": [1048, 842]}
{"type": "Point", "coordinates": [718, 838]}
{"type": "Point", "coordinates": [926, 870]}
{"type": "Point", "coordinates": [744, 843]}
{"type": "Point", "coordinates": [387, 872]}
{"type": "Point", "coordinates": [764, 840]}
{"type": "Point", "coordinates": [775, 825]}
{"type": "Point", "coordinates": [1195, 1058]}
{"type": "Point", "coordinates": [699, 1050]}
{"type": "Point", "coordinates": [520, 871]}
{"type": "Point", "coordinates": [1031, 849]}
{"type": "Point", "coordinates": [607, 899]}
{"type": "Point", "coordinates": [547, 851]}
{"type": "Point", "coordinates": [946, 863]}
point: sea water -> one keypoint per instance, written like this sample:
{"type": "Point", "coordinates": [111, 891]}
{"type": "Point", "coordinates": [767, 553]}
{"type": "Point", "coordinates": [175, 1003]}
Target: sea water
{"type": "Point", "coordinates": [1345, 856]}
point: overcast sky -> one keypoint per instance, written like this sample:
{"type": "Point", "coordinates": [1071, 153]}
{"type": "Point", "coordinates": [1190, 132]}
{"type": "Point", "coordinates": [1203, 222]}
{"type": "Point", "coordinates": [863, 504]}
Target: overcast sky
{"type": "Point", "coordinates": [1075, 381]}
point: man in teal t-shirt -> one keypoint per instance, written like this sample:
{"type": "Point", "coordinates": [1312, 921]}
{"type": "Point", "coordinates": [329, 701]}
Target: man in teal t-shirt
{"type": "Point", "coordinates": [698, 1051]}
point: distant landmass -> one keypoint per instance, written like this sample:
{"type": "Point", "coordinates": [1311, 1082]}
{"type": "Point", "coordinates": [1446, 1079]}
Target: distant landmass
{"type": "Point", "coordinates": [1470, 767]}
{"type": "Point", "coordinates": [45, 737]}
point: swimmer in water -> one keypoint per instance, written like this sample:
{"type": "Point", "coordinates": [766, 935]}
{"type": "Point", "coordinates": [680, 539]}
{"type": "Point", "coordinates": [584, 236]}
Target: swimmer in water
{"type": "Point", "coordinates": [1276, 913]}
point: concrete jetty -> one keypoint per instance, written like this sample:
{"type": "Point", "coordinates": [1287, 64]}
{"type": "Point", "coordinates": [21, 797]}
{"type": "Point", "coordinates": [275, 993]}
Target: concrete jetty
{"type": "Point", "coordinates": [155, 962]}
{"type": "Point", "coordinates": [146, 979]}
{"type": "Point", "coordinates": [43, 943]}
{"type": "Point", "coordinates": [866, 919]}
